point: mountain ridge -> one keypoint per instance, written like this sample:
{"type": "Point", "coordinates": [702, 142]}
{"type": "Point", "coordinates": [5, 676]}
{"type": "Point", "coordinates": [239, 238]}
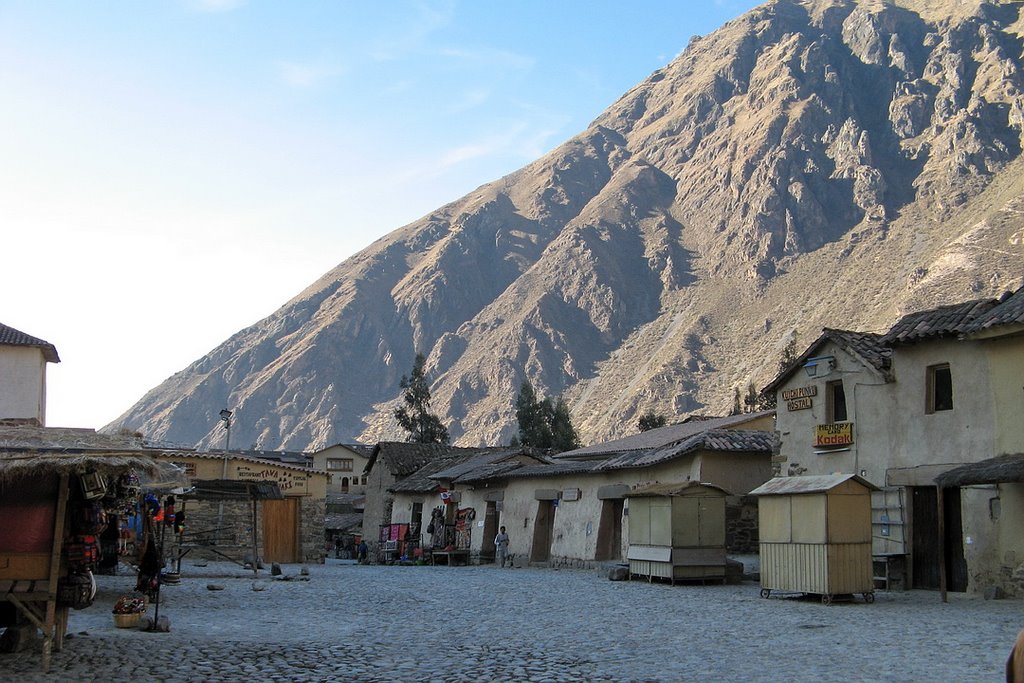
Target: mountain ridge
{"type": "Point", "coordinates": [809, 164]}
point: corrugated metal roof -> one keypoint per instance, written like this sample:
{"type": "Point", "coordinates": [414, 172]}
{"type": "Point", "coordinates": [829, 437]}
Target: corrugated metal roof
{"type": "Point", "coordinates": [12, 337]}
{"type": "Point", "coordinates": [812, 483]}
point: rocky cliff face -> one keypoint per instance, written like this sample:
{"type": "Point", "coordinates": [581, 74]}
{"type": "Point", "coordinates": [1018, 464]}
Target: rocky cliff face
{"type": "Point", "coordinates": [810, 164]}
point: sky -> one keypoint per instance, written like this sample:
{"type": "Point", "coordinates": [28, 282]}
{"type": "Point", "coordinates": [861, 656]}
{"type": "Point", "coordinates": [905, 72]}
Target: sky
{"type": "Point", "coordinates": [176, 170]}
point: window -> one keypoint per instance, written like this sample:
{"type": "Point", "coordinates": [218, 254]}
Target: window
{"type": "Point", "coordinates": [939, 388]}
{"type": "Point", "coordinates": [364, 481]}
{"type": "Point", "coordinates": [835, 402]}
{"type": "Point", "coordinates": [339, 464]}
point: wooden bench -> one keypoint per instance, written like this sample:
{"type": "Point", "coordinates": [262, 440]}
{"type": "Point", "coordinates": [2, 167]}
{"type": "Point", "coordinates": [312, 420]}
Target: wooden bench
{"type": "Point", "coordinates": [451, 557]}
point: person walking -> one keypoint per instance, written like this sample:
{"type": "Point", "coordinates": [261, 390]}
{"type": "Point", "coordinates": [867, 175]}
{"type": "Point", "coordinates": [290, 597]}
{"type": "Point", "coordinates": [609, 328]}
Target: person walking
{"type": "Point", "coordinates": [501, 548]}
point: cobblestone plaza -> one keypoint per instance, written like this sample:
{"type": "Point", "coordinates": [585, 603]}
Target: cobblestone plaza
{"type": "Point", "coordinates": [390, 623]}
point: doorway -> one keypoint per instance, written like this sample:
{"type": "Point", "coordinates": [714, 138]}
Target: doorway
{"type": "Point", "coordinates": [924, 540]}
{"type": "Point", "coordinates": [543, 531]}
{"type": "Point", "coordinates": [492, 520]}
{"type": "Point", "coordinates": [609, 530]}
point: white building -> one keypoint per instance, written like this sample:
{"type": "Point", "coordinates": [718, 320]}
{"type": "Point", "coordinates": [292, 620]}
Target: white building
{"type": "Point", "coordinates": [23, 360]}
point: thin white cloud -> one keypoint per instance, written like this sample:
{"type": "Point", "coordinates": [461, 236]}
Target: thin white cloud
{"type": "Point", "coordinates": [471, 99]}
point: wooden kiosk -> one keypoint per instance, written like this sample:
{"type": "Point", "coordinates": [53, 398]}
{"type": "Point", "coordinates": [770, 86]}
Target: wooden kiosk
{"type": "Point", "coordinates": [677, 532]}
{"type": "Point", "coordinates": [815, 535]}
{"type": "Point", "coordinates": [42, 473]}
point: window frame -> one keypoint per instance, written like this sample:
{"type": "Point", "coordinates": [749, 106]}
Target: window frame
{"type": "Point", "coordinates": [830, 402]}
{"type": "Point", "coordinates": [932, 385]}
{"type": "Point", "coordinates": [341, 462]}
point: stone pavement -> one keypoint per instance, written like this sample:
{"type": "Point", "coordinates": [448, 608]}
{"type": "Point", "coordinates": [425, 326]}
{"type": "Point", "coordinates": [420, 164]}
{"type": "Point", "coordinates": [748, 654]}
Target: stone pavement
{"type": "Point", "coordinates": [378, 623]}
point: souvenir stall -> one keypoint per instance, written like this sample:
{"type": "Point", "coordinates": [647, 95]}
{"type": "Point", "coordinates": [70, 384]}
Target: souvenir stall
{"type": "Point", "coordinates": [55, 501]}
{"type": "Point", "coordinates": [450, 531]}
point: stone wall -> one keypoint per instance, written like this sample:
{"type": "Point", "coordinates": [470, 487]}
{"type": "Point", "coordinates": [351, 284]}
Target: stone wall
{"type": "Point", "coordinates": [741, 537]}
{"type": "Point", "coordinates": [235, 536]}
{"type": "Point", "coordinates": [311, 529]}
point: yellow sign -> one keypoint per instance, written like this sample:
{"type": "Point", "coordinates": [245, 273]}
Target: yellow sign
{"type": "Point", "coordinates": [836, 434]}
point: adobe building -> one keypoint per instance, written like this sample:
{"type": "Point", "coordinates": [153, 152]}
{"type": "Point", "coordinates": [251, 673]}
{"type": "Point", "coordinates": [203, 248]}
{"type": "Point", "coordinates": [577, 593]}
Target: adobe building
{"type": "Point", "coordinates": [941, 390]}
{"type": "Point", "coordinates": [288, 529]}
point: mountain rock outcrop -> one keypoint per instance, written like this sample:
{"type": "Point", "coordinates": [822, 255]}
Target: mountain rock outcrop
{"type": "Point", "coordinates": [811, 163]}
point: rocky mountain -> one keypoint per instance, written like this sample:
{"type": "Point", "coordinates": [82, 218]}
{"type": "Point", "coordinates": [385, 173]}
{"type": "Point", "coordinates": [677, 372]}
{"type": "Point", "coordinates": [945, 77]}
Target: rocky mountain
{"type": "Point", "coordinates": [812, 163]}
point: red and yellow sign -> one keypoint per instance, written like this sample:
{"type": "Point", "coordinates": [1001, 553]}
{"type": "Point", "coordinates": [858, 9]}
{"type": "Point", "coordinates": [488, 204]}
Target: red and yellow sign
{"type": "Point", "coordinates": [835, 434]}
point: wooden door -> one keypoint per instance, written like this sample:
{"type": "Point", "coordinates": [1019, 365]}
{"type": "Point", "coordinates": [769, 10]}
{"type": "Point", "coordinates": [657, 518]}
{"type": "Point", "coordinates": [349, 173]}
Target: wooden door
{"type": "Point", "coordinates": [609, 530]}
{"type": "Point", "coordinates": [542, 531]}
{"type": "Point", "coordinates": [281, 530]}
{"type": "Point", "coordinates": [491, 524]}
{"type": "Point", "coordinates": [925, 538]}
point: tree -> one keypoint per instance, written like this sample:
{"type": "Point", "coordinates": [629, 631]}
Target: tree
{"type": "Point", "coordinates": [544, 423]}
{"type": "Point", "coordinates": [415, 416]}
{"type": "Point", "coordinates": [737, 407]}
{"type": "Point", "coordinates": [534, 428]}
{"type": "Point", "coordinates": [650, 420]}
{"type": "Point", "coordinates": [563, 434]}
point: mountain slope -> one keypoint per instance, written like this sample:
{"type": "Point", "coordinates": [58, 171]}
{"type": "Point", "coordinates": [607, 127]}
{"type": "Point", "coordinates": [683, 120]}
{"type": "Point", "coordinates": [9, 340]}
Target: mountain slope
{"type": "Point", "coordinates": [809, 164]}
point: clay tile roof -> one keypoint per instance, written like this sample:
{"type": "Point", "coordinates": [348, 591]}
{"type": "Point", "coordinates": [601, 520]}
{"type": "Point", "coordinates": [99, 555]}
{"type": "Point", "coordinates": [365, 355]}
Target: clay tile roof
{"type": "Point", "coordinates": [662, 436]}
{"type": "Point", "coordinates": [867, 345]}
{"type": "Point", "coordinates": [943, 321]}
{"type": "Point", "coordinates": [1009, 310]}
{"type": "Point", "coordinates": [457, 460]}
{"type": "Point", "coordinates": [727, 440]}
{"type": "Point", "coordinates": [403, 458]}
{"type": "Point", "coordinates": [12, 337]}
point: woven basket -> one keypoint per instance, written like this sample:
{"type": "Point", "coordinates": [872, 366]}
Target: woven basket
{"type": "Point", "coordinates": [127, 620]}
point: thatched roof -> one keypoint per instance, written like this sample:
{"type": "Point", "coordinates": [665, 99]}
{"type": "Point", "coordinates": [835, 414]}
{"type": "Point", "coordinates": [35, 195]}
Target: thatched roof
{"type": "Point", "coordinates": [999, 470]}
{"type": "Point", "coordinates": [33, 451]}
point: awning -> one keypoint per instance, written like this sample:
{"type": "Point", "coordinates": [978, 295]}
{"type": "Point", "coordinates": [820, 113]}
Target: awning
{"type": "Point", "coordinates": [999, 470]}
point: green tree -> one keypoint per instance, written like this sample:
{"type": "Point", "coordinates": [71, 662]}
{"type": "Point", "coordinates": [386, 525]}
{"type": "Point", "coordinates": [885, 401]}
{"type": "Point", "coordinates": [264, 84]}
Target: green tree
{"type": "Point", "coordinates": [534, 428]}
{"type": "Point", "coordinates": [563, 434]}
{"type": "Point", "coordinates": [737, 407]}
{"type": "Point", "coordinates": [544, 423]}
{"type": "Point", "coordinates": [415, 416]}
{"type": "Point", "coordinates": [650, 420]}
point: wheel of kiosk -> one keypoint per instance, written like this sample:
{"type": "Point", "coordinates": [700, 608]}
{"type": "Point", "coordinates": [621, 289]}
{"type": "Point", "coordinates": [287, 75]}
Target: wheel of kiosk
{"type": "Point", "coordinates": [765, 592]}
{"type": "Point", "coordinates": [869, 597]}
{"type": "Point", "coordinates": [826, 599]}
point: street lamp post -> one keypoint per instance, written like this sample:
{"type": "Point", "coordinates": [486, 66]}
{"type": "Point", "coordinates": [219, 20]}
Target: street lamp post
{"type": "Point", "coordinates": [225, 416]}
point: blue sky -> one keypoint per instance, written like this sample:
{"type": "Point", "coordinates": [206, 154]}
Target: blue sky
{"type": "Point", "coordinates": [171, 172]}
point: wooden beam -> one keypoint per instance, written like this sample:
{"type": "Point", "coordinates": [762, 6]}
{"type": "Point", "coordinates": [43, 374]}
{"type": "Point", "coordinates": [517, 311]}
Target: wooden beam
{"type": "Point", "coordinates": [55, 555]}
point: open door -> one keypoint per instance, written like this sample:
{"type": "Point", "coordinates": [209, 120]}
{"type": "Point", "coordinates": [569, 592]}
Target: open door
{"type": "Point", "coordinates": [925, 540]}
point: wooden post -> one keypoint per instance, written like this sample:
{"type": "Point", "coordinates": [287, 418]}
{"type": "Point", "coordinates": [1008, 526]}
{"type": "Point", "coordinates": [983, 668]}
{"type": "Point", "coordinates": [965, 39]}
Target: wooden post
{"type": "Point", "coordinates": [55, 554]}
{"type": "Point", "coordinates": [941, 504]}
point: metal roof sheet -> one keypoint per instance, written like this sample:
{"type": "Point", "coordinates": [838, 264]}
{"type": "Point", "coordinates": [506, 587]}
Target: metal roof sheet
{"type": "Point", "coordinates": [812, 483]}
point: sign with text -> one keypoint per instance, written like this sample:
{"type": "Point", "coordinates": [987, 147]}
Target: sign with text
{"type": "Point", "coordinates": [835, 434]}
{"type": "Point", "coordinates": [287, 480]}
{"type": "Point", "coordinates": [800, 392]}
{"type": "Point", "coordinates": [799, 404]}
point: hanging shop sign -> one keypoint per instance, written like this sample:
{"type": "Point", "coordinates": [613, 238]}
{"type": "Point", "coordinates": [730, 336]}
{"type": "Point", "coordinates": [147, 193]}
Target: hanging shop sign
{"type": "Point", "coordinates": [835, 434]}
